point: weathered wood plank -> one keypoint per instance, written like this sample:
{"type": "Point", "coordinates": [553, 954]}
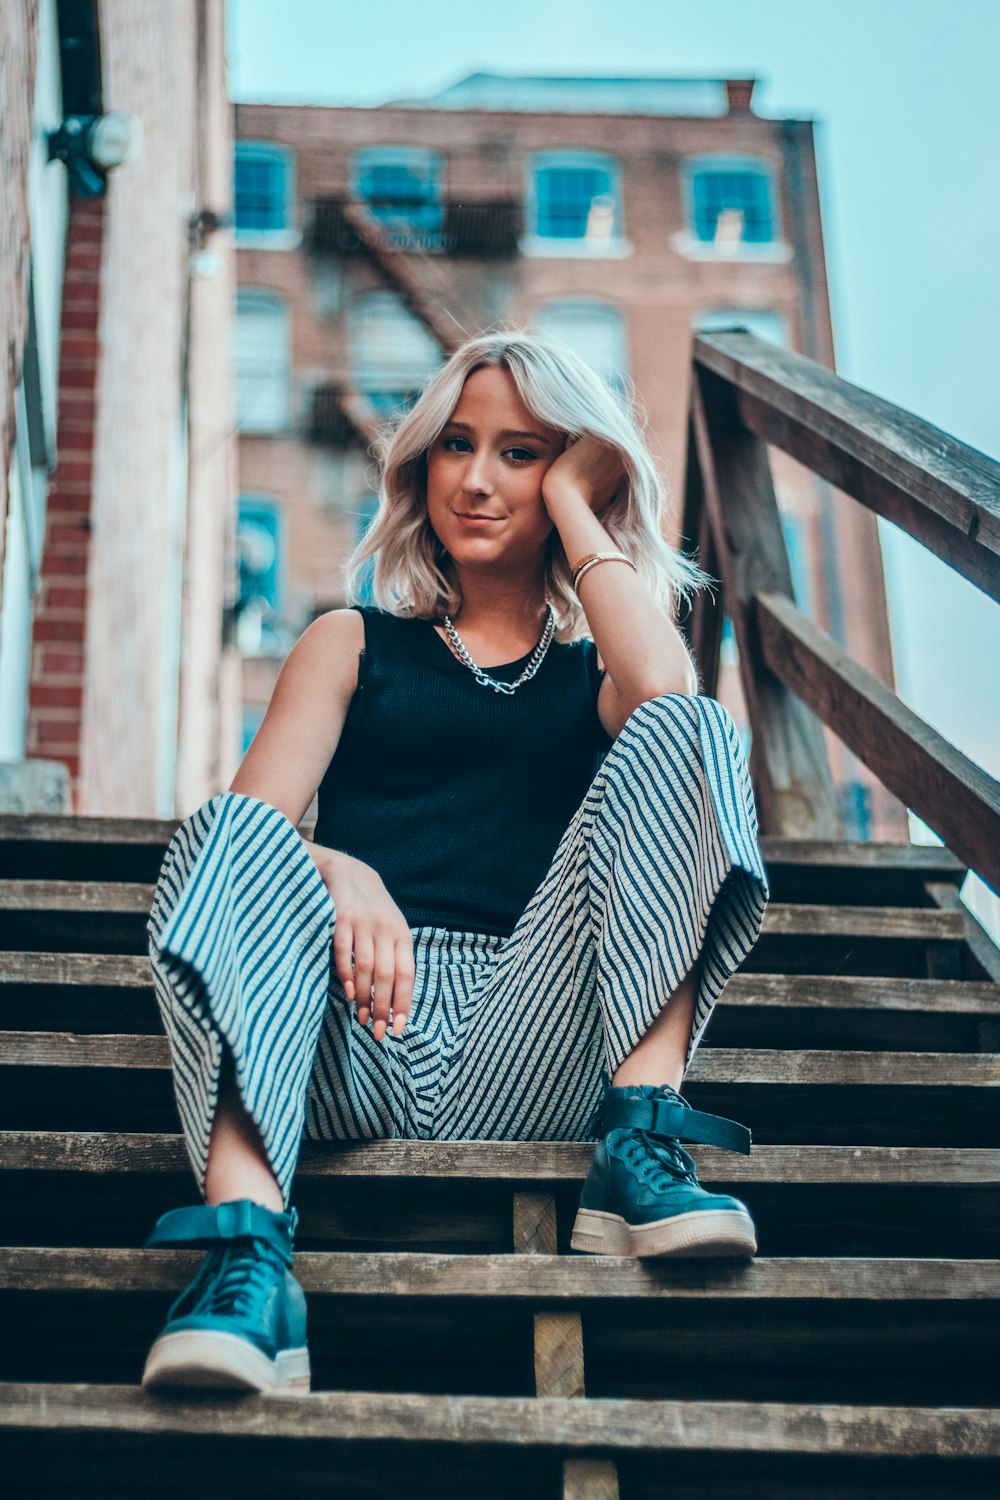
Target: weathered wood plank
{"type": "Point", "coordinates": [20, 828]}
{"type": "Point", "coordinates": [124, 971]}
{"type": "Point", "coordinates": [543, 1278]}
{"type": "Point", "coordinates": [940, 490]}
{"type": "Point", "coordinates": [82, 970]}
{"type": "Point", "coordinates": [922, 924]}
{"type": "Point", "coordinates": [931, 860]}
{"type": "Point", "coordinates": [590, 1479]}
{"type": "Point", "coordinates": [660, 1426]}
{"type": "Point", "coordinates": [984, 949]}
{"type": "Point", "coordinates": [535, 1224]}
{"type": "Point", "coordinates": [558, 1336]}
{"type": "Point", "coordinates": [76, 896]}
{"type": "Point", "coordinates": [953, 795]}
{"type": "Point", "coordinates": [841, 992]}
{"type": "Point", "coordinates": [788, 757]}
{"type": "Point", "coordinates": [518, 1161]}
{"type": "Point", "coordinates": [755, 1065]}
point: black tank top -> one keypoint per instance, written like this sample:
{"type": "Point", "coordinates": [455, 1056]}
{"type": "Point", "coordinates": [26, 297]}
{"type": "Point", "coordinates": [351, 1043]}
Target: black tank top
{"type": "Point", "coordinates": [456, 794]}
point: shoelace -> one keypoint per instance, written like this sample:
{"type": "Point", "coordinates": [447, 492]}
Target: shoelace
{"type": "Point", "coordinates": [248, 1273]}
{"type": "Point", "coordinates": [658, 1160]}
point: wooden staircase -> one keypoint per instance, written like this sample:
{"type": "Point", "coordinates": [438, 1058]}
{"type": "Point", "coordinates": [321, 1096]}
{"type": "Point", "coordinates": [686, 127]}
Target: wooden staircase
{"type": "Point", "coordinates": [458, 1344]}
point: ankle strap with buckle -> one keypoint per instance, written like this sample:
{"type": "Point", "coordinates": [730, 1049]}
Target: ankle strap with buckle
{"type": "Point", "coordinates": [205, 1225]}
{"type": "Point", "coordinates": [675, 1121]}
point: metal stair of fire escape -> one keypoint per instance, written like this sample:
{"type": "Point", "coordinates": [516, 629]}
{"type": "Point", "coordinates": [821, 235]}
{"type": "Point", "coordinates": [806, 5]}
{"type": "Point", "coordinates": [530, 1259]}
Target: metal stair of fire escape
{"type": "Point", "coordinates": [458, 1344]}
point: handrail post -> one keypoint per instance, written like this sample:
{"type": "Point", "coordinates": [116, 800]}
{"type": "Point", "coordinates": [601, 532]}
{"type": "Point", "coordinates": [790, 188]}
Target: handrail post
{"type": "Point", "coordinates": [788, 760]}
{"type": "Point", "coordinates": [704, 631]}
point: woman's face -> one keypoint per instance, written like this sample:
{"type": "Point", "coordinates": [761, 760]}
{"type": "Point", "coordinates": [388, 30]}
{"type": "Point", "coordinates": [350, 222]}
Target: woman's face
{"type": "Point", "coordinates": [484, 476]}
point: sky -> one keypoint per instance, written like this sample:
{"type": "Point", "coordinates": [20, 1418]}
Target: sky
{"type": "Point", "coordinates": [907, 123]}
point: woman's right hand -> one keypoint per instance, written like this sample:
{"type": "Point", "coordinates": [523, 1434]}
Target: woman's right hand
{"type": "Point", "coordinates": [372, 945]}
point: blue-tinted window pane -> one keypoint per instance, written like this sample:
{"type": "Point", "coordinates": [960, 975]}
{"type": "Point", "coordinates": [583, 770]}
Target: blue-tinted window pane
{"type": "Point", "coordinates": [260, 563]}
{"type": "Point", "coordinates": [261, 190]}
{"type": "Point", "coordinates": [567, 197]}
{"type": "Point", "coordinates": [402, 189]}
{"type": "Point", "coordinates": [744, 191]}
{"type": "Point", "coordinates": [795, 541]}
{"type": "Point", "coordinates": [367, 506]}
{"type": "Point", "coordinates": [252, 719]}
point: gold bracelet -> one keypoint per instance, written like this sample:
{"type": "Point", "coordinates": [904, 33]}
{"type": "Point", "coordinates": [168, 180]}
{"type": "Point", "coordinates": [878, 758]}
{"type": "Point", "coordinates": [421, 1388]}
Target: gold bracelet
{"type": "Point", "coordinates": [593, 558]}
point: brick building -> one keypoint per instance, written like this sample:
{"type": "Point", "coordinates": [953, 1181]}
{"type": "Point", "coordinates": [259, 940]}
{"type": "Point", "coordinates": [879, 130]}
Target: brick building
{"type": "Point", "coordinates": [615, 214]}
{"type": "Point", "coordinates": [117, 693]}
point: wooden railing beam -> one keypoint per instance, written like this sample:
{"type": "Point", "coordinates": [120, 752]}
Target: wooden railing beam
{"type": "Point", "coordinates": [788, 760]}
{"type": "Point", "coordinates": [943, 492]}
{"type": "Point", "coordinates": [954, 796]}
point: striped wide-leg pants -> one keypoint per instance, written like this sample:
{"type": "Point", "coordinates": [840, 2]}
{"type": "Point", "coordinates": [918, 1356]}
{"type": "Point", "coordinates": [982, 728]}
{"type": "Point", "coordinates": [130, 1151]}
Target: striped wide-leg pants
{"type": "Point", "coordinates": [508, 1037]}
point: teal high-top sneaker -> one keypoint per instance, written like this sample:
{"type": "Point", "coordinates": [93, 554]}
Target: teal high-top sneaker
{"type": "Point", "coordinates": [241, 1324]}
{"type": "Point", "coordinates": [641, 1195]}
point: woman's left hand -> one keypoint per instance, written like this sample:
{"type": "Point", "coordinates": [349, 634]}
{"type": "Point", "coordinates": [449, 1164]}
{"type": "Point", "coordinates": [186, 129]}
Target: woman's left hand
{"type": "Point", "coordinates": [586, 469]}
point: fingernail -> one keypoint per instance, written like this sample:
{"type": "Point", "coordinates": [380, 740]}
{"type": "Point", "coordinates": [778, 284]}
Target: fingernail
{"type": "Point", "coordinates": [349, 990]}
{"type": "Point", "coordinates": [363, 1014]}
{"type": "Point", "coordinates": [379, 1034]}
{"type": "Point", "coordinates": [397, 1025]}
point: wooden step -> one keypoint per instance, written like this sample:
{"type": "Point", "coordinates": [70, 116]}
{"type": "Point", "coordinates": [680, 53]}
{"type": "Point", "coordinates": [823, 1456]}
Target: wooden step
{"type": "Point", "coordinates": [796, 919]}
{"type": "Point", "coordinates": [97, 992]}
{"type": "Point", "coordinates": [760, 1065]}
{"type": "Point", "coordinates": [899, 1330]}
{"type": "Point", "coordinates": [66, 1190]}
{"type": "Point", "coordinates": [508, 1161]}
{"type": "Point", "coordinates": [94, 1081]}
{"type": "Point", "coordinates": [579, 1426]}
{"type": "Point", "coordinates": [523, 1278]}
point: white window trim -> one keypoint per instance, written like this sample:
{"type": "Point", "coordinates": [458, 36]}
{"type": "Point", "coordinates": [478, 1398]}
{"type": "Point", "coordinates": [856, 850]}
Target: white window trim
{"type": "Point", "coordinates": [687, 243]}
{"type": "Point", "coordinates": [615, 248]}
{"type": "Point", "coordinates": [287, 238]}
{"type": "Point", "coordinates": [268, 239]}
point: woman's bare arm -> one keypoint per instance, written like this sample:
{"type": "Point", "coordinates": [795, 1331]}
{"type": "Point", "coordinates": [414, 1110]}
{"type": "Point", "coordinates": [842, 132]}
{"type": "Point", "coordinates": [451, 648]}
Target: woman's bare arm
{"type": "Point", "coordinates": [372, 946]}
{"type": "Point", "coordinates": [305, 717]}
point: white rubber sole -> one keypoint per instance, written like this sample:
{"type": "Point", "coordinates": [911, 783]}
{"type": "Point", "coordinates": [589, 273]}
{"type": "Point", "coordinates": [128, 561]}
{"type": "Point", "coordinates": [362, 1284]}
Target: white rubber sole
{"type": "Point", "coordinates": [705, 1232]}
{"type": "Point", "coordinates": [203, 1360]}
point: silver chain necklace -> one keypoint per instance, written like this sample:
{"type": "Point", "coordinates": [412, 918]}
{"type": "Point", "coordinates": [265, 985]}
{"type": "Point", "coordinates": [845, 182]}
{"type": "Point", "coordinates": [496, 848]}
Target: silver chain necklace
{"type": "Point", "coordinates": [483, 678]}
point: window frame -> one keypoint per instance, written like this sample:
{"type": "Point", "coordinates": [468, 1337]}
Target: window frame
{"type": "Point", "coordinates": [533, 243]}
{"type": "Point", "coordinates": [687, 242]}
{"type": "Point", "coordinates": [368, 386]}
{"type": "Point", "coordinates": [288, 236]}
{"type": "Point", "coordinates": [264, 296]}
{"type": "Point", "coordinates": [618, 382]}
{"type": "Point", "coordinates": [429, 237]}
{"type": "Point", "coordinates": [271, 643]}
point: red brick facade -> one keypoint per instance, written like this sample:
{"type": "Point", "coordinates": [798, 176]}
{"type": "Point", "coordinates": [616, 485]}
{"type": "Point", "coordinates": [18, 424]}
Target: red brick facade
{"type": "Point", "coordinates": [58, 658]}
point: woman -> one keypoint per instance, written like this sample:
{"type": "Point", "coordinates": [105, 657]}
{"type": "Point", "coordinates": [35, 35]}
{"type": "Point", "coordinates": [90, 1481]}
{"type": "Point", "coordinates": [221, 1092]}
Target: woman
{"type": "Point", "coordinates": [535, 853]}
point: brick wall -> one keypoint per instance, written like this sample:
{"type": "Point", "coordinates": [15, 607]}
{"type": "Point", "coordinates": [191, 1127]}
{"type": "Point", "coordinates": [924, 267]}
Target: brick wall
{"type": "Point", "coordinates": [56, 690]}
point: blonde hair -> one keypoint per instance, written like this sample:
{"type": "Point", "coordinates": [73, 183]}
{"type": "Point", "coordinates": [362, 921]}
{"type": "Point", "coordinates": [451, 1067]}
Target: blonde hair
{"type": "Point", "coordinates": [562, 391]}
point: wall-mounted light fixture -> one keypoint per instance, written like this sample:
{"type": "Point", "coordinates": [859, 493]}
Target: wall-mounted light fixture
{"type": "Point", "coordinates": [91, 145]}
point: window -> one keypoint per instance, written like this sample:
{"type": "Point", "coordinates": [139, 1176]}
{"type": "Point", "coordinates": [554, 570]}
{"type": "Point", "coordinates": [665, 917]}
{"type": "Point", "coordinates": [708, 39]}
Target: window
{"type": "Point", "coordinates": [392, 354]}
{"type": "Point", "coordinates": [574, 203]}
{"type": "Point", "coordinates": [262, 357]}
{"type": "Point", "coordinates": [262, 191]}
{"type": "Point", "coordinates": [594, 330]}
{"type": "Point", "coordinates": [794, 530]}
{"type": "Point", "coordinates": [251, 720]}
{"type": "Point", "coordinates": [362, 516]}
{"type": "Point", "coordinates": [402, 187]}
{"type": "Point", "coordinates": [729, 201]}
{"type": "Point", "coordinates": [765, 323]}
{"type": "Point", "coordinates": [259, 550]}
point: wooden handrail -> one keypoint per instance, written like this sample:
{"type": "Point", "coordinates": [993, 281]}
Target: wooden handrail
{"type": "Point", "coordinates": [745, 394]}
{"type": "Point", "coordinates": [951, 793]}
{"type": "Point", "coordinates": [941, 491]}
